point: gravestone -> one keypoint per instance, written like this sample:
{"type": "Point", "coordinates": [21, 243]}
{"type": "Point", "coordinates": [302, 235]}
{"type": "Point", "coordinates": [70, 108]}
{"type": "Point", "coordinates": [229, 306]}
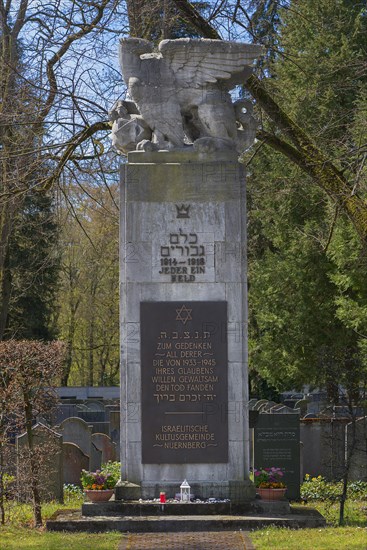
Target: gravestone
{"type": "Point", "coordinates": [63, 411]}
{"type": "Point", "coordinates": [277, 443]}
{"type": "Point", "coordinates": [184, 386]}
{"type": "Point", "coordinates": [324, 446]}
{"type": "Point", "coordinates": [100, 427]}
{"type": "Point", "coordinates": [95, 461]}
{"type": "Point", "coordinates": [48, 447]}
{"type": "Point", "coordinates": [74, 462]}
{"type": "Point", "coordinates": [302, 404]}
{"type": "Point", "coordinates": [75, 430]}
{"type": "Point", "coordinates": [106, 446]}
{"type": "Point", "coordinates": [358, 466]}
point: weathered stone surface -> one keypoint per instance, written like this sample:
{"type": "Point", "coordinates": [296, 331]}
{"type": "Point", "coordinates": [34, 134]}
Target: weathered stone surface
{"type": "Point", "coordinates": [74, 462]}
{"type": "Point", "coordinates": [115, 430]}
{"type": "Point", "coordinates": [358, 469]}
{"type": "Point", "coordinates": [104, 443]}
{"type": "Point", "coordinates": [48, 445]}
{"type": "Point", "coordinates": [95, 461]}
{"type": "Point", "coordinates": [77, 431]}
{"type": "Point", "coordinates": [179, 207]}
{"type": "Point", "coordinates": [182, 95]}
{"type": "Point", "coordinates": [300, 517]}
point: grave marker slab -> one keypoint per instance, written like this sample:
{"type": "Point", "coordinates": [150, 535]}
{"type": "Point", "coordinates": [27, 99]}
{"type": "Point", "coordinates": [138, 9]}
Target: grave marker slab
{"type": "Point", "coordinates": [48, 444]}
{"type": "Point", "coordinates": [75, 430]}
{"type": "Point", "coordinates": [277, 443]}
{"type": "Point", "coordinates": [74, 462]}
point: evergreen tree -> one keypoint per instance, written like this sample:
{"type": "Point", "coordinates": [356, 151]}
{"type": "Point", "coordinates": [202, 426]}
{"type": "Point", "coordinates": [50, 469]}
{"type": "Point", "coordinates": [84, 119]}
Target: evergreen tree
{"type": "Point", "coordinates": [295, 230]}
{"type": "Point", "coordinates": [33, 270]}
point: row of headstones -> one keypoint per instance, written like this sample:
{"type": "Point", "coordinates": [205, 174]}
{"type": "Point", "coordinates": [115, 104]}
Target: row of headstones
{"type": "Point", "coordinates": [304, 407]}
{"type": "Point", "coordinates": [102, 416]}
{"type": "Point", "coordinates": [74, 448]}
{"type": "Point", "coordinates": [266, 406]}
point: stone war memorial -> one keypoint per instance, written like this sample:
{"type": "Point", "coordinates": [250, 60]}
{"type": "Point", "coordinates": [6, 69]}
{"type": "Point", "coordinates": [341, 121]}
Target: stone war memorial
{"type": "Point", "coordinates": [184, 435]}
{"type": "Point", "coordinates": [184, 390]}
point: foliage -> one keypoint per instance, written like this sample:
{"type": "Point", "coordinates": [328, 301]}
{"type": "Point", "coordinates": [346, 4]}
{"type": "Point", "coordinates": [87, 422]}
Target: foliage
{"type": "Point", "coordinates": [28, 371]}
{"type": "Point", "coordinates": [54, 84]}
{"type": "Point", "coordinates": [72, 492]}
{"type": "Point", "coordinates": [317, 488]}
{"type": "Point", "coordinates": [269, 478]}
{"type": "Point", "coordinates": [88, 299]}
{"type": "Point", "coordinates": [113, 468]}
{"type": "Point", "coordinates": [33, 266]}
{"type": "Point", "coordinates": [307, 289]}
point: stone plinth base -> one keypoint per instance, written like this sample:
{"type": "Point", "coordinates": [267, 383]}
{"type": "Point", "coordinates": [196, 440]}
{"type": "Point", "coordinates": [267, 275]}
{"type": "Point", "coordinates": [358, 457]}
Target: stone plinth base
{"type": "Point", "coordinates": [278, 508]}
{"type": "Point", "coordinates": [238, 492]}
{"type": "Point", "coordinates": [124, 490]}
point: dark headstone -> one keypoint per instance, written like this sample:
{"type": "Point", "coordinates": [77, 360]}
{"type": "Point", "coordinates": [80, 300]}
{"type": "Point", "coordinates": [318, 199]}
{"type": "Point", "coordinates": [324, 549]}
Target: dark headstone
{"type": "Point", "coordinates": [75, 430]}
{"type": "Point", "coordinates": [277, 443]}
{"type": "Point", "coordinates": [106, 446]}
{"type": "Point", "coordinates": [74, 462]}
{"type": "Point", "coordinates": [48, 448]}
{"type": "Point", "coordinates": [95, 462]}
{"type": "Point", "coordinates": [358, 466]}
{"type": "Point", "coordinates": [92, 416]}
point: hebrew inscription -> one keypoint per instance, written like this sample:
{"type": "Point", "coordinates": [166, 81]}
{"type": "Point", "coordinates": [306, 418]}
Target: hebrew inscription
{"type": "Point", "coordinates": [184, 382]}
{"type": "Point", "coordinates": [183, 258]}
{"type": "Point", "coordinates": [277, 444]}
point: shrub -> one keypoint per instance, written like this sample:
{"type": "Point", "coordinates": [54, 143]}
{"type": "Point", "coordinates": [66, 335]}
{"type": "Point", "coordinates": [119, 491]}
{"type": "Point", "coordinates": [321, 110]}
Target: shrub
{"type": "Point", "coordinates": [113, 468]}
{"type": "Point", "coordinates": [317, 488]}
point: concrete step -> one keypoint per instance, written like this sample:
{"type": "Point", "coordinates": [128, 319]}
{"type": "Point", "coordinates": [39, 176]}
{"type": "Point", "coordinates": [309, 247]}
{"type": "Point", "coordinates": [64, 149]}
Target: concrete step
{"type": "Point", "coordinates": [136, 508]}
{"type": "Point", "coordinates": [300, 517]}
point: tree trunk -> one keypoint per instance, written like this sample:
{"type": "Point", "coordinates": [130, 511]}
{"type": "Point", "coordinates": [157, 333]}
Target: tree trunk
{"type": "Point", "coordinates": [5, 295]}
{"type": "Point", "coordinates": [349, 451]}
{"type": "Point", "coordinates": [33, 463]}
{"type": "Point", "coordinates": [2, 487]}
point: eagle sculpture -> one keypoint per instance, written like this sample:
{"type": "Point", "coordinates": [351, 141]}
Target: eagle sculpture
{"type": "Point", "coordinates": [181, 94]}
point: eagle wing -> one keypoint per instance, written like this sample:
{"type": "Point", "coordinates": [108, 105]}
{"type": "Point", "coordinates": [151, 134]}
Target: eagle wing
{"type": "Point", "coordinates": [196, 63]}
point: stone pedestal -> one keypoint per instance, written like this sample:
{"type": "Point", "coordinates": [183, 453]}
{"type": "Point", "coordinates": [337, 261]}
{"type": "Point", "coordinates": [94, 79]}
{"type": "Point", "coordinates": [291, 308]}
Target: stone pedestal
{"type": "Point", "coordinates": [184, 388]}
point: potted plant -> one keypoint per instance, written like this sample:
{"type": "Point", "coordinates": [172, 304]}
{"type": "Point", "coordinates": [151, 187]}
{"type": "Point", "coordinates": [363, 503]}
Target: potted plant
{"type": "Point", "coordinates": [98, 486]}
{"type": "Point", "coordinates": [269, 483]}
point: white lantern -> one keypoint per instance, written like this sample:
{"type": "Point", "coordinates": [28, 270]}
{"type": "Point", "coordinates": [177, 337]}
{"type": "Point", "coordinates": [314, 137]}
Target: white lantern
{"type": "Point", "coordinates": [185, 491]}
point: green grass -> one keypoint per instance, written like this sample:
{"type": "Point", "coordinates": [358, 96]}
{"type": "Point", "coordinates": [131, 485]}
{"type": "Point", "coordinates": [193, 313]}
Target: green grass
{"type": "Point", "coordinates": [22, 538]}
{"type": "Point", "coordinates": [351, 537]}
{"type": "Point", "coordinates": [329, 538]}
{"type": "Point", "coordinates": [18, 533]}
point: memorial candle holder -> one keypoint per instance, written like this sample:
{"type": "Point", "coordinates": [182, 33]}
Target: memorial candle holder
{"type": "Point", "coordinates": [185, 491]}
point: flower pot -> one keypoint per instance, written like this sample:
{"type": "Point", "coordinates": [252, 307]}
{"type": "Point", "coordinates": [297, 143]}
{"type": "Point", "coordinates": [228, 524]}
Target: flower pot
{"type": "Point", "coordinates": [271, 494]}
{"type": "Point", "coordinates": [95, 495]}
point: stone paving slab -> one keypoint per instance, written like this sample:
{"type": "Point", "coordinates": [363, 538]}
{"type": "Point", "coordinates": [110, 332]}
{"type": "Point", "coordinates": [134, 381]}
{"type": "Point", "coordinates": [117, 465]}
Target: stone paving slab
{"type": "Point", "coordinates": [187, 541]}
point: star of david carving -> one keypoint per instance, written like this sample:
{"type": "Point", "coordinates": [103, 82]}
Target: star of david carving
{"type": "Point", "coordinates": [183, 314]}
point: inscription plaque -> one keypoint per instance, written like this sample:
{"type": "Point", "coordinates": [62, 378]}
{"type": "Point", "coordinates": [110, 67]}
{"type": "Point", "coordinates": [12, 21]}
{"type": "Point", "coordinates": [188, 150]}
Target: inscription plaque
{"type": "Point", "coordinates": [184, 381]}
{"type": "Point", "coordinates": [277, 444]}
